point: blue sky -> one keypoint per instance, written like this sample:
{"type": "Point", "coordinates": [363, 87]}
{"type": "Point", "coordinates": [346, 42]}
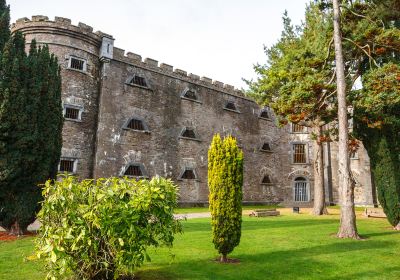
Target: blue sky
{"type": "Point", "coordinates": [219, 39]}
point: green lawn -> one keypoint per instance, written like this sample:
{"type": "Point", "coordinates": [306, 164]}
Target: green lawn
{"type": "Point", "coordinates": [186, 210]}
{"type": "Point", "coordinates": [284, 247]}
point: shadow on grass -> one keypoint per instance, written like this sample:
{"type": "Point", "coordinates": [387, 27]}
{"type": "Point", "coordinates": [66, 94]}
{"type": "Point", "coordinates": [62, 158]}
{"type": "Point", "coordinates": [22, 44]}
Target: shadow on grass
{"type": "Point", "coordinates": [302, 263]}
{"type": "Point", "coordinates": [269, 223]}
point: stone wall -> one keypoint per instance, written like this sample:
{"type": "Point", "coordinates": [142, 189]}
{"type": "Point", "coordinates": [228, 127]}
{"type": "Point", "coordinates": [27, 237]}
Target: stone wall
{"type": "Point", "coordinates": [103, 146]}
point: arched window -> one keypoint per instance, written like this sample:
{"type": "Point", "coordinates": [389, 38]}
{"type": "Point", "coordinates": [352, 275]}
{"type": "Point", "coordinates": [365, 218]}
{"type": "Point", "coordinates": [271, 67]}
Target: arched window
{"type": "Point", "coordinates": [134, 170]}
{"type": "Point", "coordinates": [301, 189]}
{"type": "Point", "coordinates": [266, 180]}
{"type": "Point", "coordinates": [189, 133]}
{"type": "Point", "coordinates": [136, 123]}
{"type": "Point", "coordinates": [188, 174]}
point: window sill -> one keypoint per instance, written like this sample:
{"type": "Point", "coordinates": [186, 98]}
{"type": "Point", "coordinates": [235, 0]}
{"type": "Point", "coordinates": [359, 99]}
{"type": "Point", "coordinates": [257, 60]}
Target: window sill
{"type": "Point", "coordinates": [265, 119]}
{"type": "Point", "coordinates": [139, 86]}
{"type": "Point", "coordinates": [306, 132]}
{"type": "Point", "coordinates": [234, 111]}
{"type": "Point", "coordinates": [267, 184]}
{"type": "Point", "coordinates": [187, 138]}
{"type": "Point", "coordinates": [77, 70]}
{"type": "Point", "coordinates": [266, 151]}
{"type": "Point", "coordinates": [187, 180]}
{"type": "Point", "coordinates": [188, 99]}
{"type": "Point", "coordinates": [73, 120]}
{"type": "Point", "coordinates": [136, 130]}
{"type": "Point", "coordinates": [135, 177]}
{"type": "Point", "coordinates": [301, 163]}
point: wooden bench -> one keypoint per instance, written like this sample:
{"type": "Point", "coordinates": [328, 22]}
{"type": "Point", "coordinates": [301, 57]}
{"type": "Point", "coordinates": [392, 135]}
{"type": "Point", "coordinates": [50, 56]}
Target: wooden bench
{"type": "Point", "coordinates": [374, 212]}
{"type": "Point", "coordinates": [264, 213]}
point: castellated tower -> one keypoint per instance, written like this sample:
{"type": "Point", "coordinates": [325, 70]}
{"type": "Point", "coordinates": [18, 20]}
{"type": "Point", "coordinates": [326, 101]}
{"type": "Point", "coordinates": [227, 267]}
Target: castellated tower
{"type": "Point", "coordinates": [125, 116]}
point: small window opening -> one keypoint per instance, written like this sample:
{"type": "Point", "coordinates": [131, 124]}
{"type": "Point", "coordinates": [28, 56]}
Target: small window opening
{"type": "Point", "coordinates": [71, 113]}
{"type": "Point", "coordinates": [133, 170]}
{"type": "Point", "coordinates": [188, 174]}
{"type": "Point", "coordinates": [137, 80]}
{"type": "Point", "coordinates": [266, 147]}
{"type": "Point", "coordinates": [299, 153]}
{"type": "Point", "coordinates": [77, 64]}
{"type": "Point", "coordinates": [190, 94]}
{"type": "Point", "coordinates": [266, 180]}
{"type": "Point", "coordinates": [231, 106]}
{"type": "Point", "coordinates": [264, 114]}
{"type": "Point", "coordinates": [136, 124]}
{"type": "Point", "coordinates": [296, 128]}
{"type": "Point", "coordinates": [67, 165]}
{"type": "Point", "coordinates": [189, 133]}
{"type": "Point", "coordinates": [108, 48]}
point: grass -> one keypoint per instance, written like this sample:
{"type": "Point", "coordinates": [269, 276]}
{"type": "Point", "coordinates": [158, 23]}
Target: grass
{"type": "Point", "coordinates": [285, 247]}
{"type": "Point", "coordinates": [187, 210]}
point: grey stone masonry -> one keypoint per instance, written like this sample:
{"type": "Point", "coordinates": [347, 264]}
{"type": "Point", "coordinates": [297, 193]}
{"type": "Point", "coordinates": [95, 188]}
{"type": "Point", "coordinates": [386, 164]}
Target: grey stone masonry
{"type": "Point", "coordinates": [142, 118]}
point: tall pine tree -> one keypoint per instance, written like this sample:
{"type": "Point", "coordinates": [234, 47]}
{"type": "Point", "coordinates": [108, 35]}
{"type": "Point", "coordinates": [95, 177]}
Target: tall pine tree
{"type": "Point", "coordinates": [30, 125]}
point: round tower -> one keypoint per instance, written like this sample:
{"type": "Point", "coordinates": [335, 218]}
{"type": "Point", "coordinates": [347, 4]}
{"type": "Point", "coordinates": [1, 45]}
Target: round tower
{"type": "Point", "coordinates": [81, 54]}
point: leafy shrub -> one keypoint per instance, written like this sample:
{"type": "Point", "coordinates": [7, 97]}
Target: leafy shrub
{"type": "Point", "coordinates": [225, 181]}
{"type": "Point", "coordinates": [101, 229]}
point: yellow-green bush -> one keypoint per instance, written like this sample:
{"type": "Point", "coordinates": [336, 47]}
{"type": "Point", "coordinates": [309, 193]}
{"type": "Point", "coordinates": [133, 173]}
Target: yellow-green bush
{"type": "Point", "coordinates": [101, 229]}
{"type": "Point", "coordinates": [225, 181]}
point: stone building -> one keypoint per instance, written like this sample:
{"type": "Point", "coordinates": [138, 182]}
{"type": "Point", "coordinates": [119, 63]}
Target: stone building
{"type": "Point", "coordinates": [134, 117]}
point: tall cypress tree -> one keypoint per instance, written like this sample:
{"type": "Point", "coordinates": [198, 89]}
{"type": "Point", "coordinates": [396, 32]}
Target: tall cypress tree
{"type": "Point", "coordinates": [225, 181]}
{"type": "Point", "coordinates": [30, 126]}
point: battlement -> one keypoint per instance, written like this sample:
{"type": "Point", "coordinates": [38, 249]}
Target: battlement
{"type": "Point", "coordinates": [153, 64]}
{"type": "Point", "coordinates": [39, 23]}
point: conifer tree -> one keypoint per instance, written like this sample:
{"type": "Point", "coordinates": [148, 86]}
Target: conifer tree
{"type": "Point", "coordinates": [30, 127]}
{"type": "Point", "coordinates": [225, 181]}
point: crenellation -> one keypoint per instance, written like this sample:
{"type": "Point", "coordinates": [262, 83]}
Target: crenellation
{"type": "Point", "coordinates": [62, 20]}
{"type": "Point", "coordinates": [119, 53]}
{"type": "Point", "coordinates": [229, 87]}
{"type": "Point", "coordinates": [206, 80]}
{"type": "Point", "coordinates": [218, 84]}
{"type": "Point", "coordinates": [194, 77]}
{"type": "Point", "coordinates": [151, 62]}
{"type": "Point", "coordinates": [180, 72]}
{"type": "Point", "coordinates": [22, 20]}
{"type": "Point", "coordinates": [40, 18]}
{"type": "Point", "coordinates": [135, 57]}
{"type": "Point", "coordinates": [85, 27]}
{"type": "Point", "coordinates": [167, 67]}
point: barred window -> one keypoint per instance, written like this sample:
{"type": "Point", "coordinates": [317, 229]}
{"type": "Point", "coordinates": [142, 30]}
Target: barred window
{"type": "Point", "coordinates": [189, 133]}
{"type": "Point", "coordinates": [66, 165]}
{"type": "Point", "coordinates": [230, 106]}
{"type": "Point", "coordinates": [71, 113]}
{"type": "Point", "coordinates": [266, 180]}
{"type": "Point", "coordinates": [299, 153]}
{"type": "Point", "coordinates": [134, 170]}
{"type": "Point", "coordinates": [300, 189]}
{"type": "Point", "coordinates": [266, 147]}
{"type": "Point", "coordinates": [136, 124]}
{"type": "Point", "coordinates": [137, 80]}
{"type": "Point", "coordinates": [77, 64]}
{"type": "Point", "coordinates": [188, 174]}
{"type": "Point", "coordinates": [296, 128]}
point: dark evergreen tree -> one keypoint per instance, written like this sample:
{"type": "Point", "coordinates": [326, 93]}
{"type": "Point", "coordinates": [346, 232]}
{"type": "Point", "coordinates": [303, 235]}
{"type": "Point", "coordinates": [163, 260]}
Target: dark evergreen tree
{"type": "Point", "coordinates": [4, 23]}
{"type": "Point", "coordinates": [30, 127]}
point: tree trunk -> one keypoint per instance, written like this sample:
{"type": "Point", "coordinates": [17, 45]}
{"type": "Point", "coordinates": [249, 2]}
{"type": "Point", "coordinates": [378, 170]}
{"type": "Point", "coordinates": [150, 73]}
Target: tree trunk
{"type": "Point", "coordinates": [348, 227]}
{"type": "Point", "coordinates": [16, 229]}
{"type": "Point", "coordinates": [224, 259]}
{"type": "Point", "coordinates": [397, 227]}
{"type": "Point", "coordinates": [319, 189]}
